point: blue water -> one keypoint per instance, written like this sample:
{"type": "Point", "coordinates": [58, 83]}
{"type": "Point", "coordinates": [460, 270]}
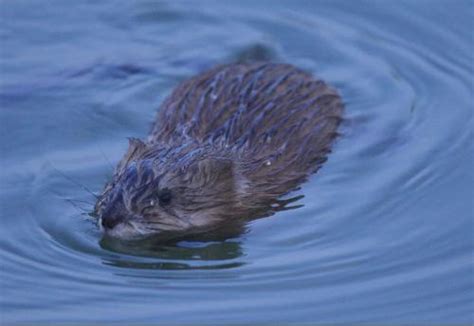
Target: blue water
{"type": "Point", "coordinates": [386, 231]}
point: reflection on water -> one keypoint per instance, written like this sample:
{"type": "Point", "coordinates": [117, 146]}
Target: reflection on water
{"type": "Point", "coordinates": [385, 231]}
{"type": "Point", "coordinates": [209, 250]}
{"type": "Point", "coordinates": [215, 255]}
{"type": "Point", "coordinates": [218, 248]}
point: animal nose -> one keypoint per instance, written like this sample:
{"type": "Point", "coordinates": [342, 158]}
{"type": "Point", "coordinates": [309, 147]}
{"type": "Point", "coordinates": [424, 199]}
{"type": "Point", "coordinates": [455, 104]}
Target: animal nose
{"type": "Point", "coordinates": [113, 213]}
{"type": "Point", "coordinates": [110, 221]}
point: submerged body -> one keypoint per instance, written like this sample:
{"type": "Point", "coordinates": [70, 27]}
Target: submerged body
{"type": "Point", "coordinates": [226, 145]}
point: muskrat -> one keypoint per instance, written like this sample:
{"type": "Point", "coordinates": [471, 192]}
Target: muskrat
{"type": "Point", "coordinates": [227, 144]}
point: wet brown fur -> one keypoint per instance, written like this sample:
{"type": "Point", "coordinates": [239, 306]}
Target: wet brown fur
{"type": "Point", "coordinates": [230, 142]}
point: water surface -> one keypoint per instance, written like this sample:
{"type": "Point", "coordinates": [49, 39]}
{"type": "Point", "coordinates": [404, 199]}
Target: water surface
{"type": "Point", "coordinates": [386, 231]}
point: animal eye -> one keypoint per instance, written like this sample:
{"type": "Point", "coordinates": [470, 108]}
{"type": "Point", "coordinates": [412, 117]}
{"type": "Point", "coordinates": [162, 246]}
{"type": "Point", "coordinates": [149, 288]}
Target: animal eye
{"type": "Point", "coordinates": [164, 196]}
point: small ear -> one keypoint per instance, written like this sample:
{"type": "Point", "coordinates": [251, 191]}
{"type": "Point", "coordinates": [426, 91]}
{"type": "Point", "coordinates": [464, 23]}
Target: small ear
{"type": "Point", "coordinates": [135, 148]}
{"type": "Point", "coordinates": [135, 144]}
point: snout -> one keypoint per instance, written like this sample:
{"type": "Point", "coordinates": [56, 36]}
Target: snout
{"type": "Point", "coordinates": [108, 222]}
{"type": "Point", "coordinates": [114, 212]}
{"type": "Point", "coordinates": [112, 216]}
{"type": "Point", "coordinates": [123, 227]}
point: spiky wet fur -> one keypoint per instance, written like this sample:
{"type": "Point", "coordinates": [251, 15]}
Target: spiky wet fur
{"type": "Point", "coordinates": [227, 144]}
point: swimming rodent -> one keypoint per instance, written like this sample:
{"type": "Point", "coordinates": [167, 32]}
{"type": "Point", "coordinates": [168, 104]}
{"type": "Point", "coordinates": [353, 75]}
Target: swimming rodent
{"type": "Point", "coordinates": [226, 145]}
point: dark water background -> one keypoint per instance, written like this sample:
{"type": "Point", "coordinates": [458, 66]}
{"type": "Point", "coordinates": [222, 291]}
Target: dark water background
{"type": "Point", "coordinates": [386, 233]}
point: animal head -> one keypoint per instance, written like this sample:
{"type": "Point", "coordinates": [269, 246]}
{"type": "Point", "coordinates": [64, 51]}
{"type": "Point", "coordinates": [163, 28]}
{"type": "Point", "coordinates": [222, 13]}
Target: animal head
{"type": "Point", "coordinates": [156, 189]}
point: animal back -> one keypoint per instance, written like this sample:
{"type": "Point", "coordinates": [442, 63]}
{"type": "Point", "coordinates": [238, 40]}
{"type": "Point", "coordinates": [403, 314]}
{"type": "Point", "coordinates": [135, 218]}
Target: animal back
{"type": "Point", "coordinates": [275, 113]}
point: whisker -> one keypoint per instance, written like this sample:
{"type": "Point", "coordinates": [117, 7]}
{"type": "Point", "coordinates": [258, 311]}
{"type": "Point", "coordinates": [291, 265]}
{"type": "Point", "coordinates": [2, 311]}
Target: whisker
{"type": "Point", "coordinates": [81, 210]}
{"type": "Point", "coordinates": [82, 201]}
{"type": "Point", "coordinates": [106, 158]}
{"type": "Point", "coordinates": [76, 183]}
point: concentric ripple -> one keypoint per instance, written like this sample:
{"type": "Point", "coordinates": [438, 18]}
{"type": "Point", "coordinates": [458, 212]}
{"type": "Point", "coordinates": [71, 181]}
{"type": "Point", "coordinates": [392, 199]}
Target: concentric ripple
{"type": "Point", "coordinates": [385, 234]}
